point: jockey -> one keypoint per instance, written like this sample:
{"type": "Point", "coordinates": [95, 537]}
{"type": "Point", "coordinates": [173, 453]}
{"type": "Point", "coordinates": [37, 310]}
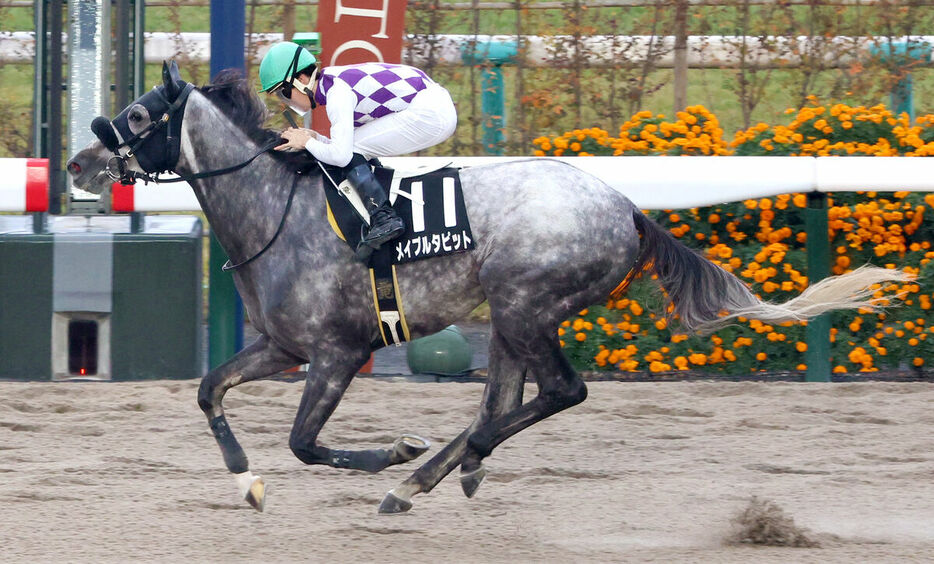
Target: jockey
{"type": "Point", "coordinates": [375, 110]}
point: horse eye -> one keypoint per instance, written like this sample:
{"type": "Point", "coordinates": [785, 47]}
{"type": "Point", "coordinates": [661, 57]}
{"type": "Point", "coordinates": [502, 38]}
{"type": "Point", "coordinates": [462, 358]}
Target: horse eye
{"type": "Point", "coordinates": [136, 116]}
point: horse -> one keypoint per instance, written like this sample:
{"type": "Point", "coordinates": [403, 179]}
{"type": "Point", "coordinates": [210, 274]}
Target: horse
{"type": "Point", "coordinates": [549, 238]}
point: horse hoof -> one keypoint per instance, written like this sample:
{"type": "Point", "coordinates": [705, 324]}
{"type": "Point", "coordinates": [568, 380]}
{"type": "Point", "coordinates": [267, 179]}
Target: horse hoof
{"type": "Point", "coordinates": [253, 489]}
{"type": "Point", "coordinates": [472, 480]}
{"type": "Point", "coordinates": [408, 447]}
{"type": "Point", "coordinates": [394, 504]}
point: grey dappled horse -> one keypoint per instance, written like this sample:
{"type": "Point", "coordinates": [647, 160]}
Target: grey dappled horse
{"type": "Point", "coordinates": [551, 240]}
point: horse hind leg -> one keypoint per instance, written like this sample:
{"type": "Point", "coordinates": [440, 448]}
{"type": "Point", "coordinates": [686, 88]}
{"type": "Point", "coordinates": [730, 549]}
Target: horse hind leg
{"type": "Point", "coordinates": [503, 415]}
{"type": "Point", "coordinates": [559, 387]}
{"type": "Point", "coordinates": [502, 394]}
{"type": "Point", "coordinates": [325, 385]}
{"type": "Point", "coordinates": [259, 360]}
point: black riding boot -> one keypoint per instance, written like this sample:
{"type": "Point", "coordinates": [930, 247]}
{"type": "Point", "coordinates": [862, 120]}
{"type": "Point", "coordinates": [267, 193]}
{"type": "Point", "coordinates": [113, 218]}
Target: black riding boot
{"type": "Point", "coordinates": [385, 225]}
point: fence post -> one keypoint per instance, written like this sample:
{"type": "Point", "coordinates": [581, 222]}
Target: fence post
{"type": "Point", "coordinates": [493, 101]}
{"type": "Point", "coordinates": [817, 332]}
{"type": "Point", "coordinates": [493, 104]}
{"type": "Point", "coordinates": [903, 55]}
{"type": "Point", "coordinates": [681, 56]}
{"type": "Point", "coordinates": [225, 321]}
{"type": "Point", "coordinates": [222, 309]}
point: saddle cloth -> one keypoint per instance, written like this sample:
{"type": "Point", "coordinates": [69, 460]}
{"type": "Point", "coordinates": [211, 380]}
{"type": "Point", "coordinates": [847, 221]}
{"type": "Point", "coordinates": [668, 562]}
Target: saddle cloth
{"type": "Point", "coordinates": [431, 206]}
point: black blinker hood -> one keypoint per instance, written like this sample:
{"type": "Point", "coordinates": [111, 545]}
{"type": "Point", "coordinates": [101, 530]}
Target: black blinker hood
{"type": "Point", "coordinates": [165, 105]}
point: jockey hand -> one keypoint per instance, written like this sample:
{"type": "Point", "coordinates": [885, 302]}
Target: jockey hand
{"type": "Point", "coordinates": [296, 138]}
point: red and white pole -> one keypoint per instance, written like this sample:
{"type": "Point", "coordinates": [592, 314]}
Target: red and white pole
{"type": "Point", "coordinates": [140, 197]}
{"type": "Point", "coordinates": [24, 185]}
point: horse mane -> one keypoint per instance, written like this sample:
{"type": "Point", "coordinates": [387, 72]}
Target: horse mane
{"type": "Point", "coordinates": [231, 93]}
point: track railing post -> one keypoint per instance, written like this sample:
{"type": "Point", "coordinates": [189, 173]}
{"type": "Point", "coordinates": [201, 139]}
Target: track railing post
{"type": "Point", "coordinates": [817, 332]}
{"type": "Point", "coordinates": [225, 322]}
{"type": "Point", "coordinates": [222, 309]}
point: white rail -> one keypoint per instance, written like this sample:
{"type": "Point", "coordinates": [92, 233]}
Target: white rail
{"type": "Point", "coordinates": [659, 182]}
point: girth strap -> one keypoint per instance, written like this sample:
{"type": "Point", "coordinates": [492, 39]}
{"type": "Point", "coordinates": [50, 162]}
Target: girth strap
{"type": "Point", "coordinates": [387, 300]}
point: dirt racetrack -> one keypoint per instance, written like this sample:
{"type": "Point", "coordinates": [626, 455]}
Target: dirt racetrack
{"type": "Point", "coordinates": [641, 472]}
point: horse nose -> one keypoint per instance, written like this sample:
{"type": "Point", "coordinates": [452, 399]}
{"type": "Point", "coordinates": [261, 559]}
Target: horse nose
{"type": "Point", "coordinates": [76, 166]}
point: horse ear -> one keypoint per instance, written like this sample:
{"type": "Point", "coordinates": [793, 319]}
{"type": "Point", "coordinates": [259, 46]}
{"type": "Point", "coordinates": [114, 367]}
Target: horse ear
{"type": "Point", "coordinates": [171, 79]}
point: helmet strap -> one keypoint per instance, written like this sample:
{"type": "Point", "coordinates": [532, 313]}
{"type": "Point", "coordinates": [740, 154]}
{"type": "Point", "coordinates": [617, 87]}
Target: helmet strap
{"type": "Point", "coordinates": [312, 87]}
{"type": "Point", "coordinates": [293, 66]}
{"type": "Point", "coordinates": [292, 70]}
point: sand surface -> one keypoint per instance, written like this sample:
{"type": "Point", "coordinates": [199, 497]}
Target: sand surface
{"type": "Point", "coordinates": [641, 472]}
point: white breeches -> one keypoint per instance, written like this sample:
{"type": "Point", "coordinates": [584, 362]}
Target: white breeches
{"type": "Point", "coordinates": [429, 120]}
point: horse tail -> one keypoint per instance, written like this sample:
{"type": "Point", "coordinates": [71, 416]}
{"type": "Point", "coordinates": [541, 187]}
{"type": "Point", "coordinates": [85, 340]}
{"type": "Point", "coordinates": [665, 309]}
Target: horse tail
{"type": "Point", "coordinates": [706, 297]}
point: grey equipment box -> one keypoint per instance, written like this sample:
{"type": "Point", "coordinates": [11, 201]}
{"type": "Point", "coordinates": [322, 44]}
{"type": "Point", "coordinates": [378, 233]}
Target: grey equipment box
{"type": "Point", "coordinates": [88, 299]}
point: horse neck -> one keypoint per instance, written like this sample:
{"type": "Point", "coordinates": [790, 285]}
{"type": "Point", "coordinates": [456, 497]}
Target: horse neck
{"type": "Point", "coordinates": [244, 207]}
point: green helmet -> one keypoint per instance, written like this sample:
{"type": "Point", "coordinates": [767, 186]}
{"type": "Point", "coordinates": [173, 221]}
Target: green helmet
{"type": "Point", "coordinates": [282, 62]}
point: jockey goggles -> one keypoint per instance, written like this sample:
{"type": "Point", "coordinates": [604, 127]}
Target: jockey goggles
{"type": "Point", "coordinates": [284, 90]}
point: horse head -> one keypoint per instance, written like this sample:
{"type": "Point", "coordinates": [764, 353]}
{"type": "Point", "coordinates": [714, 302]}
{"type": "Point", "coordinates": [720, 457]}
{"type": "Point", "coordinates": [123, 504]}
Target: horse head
{"type": "Point", "coordinates": [143, 139]}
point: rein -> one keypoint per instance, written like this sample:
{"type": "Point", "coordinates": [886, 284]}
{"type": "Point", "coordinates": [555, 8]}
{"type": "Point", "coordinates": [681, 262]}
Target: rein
{"type": "Point", "coordinates": [288, 205]}
{"type": "Point", "coordinates": [123, 174]}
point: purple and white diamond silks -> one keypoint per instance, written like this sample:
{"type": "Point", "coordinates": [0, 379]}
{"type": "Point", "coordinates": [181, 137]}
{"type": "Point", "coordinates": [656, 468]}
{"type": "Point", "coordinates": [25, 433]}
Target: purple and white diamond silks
{"type": "Point", "coordinates": [381, 88]}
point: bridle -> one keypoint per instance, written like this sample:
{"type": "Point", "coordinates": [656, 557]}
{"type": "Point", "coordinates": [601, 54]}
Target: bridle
{"type": "Point", "coordinates": [171, 121]}
{"type": "Point", "coordinates": [154, 162]}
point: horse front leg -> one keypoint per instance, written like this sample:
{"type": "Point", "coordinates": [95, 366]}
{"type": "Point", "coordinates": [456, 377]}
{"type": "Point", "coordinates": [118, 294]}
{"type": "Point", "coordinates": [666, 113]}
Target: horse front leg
{"type": "Point", "coordinates": [261, 359]}
{"type": "Point", "coordinates": [327, 380]}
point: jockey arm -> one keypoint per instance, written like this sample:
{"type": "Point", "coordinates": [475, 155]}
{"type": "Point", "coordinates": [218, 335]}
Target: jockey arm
{"type": "Point", "coordinates": [338, 150]}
